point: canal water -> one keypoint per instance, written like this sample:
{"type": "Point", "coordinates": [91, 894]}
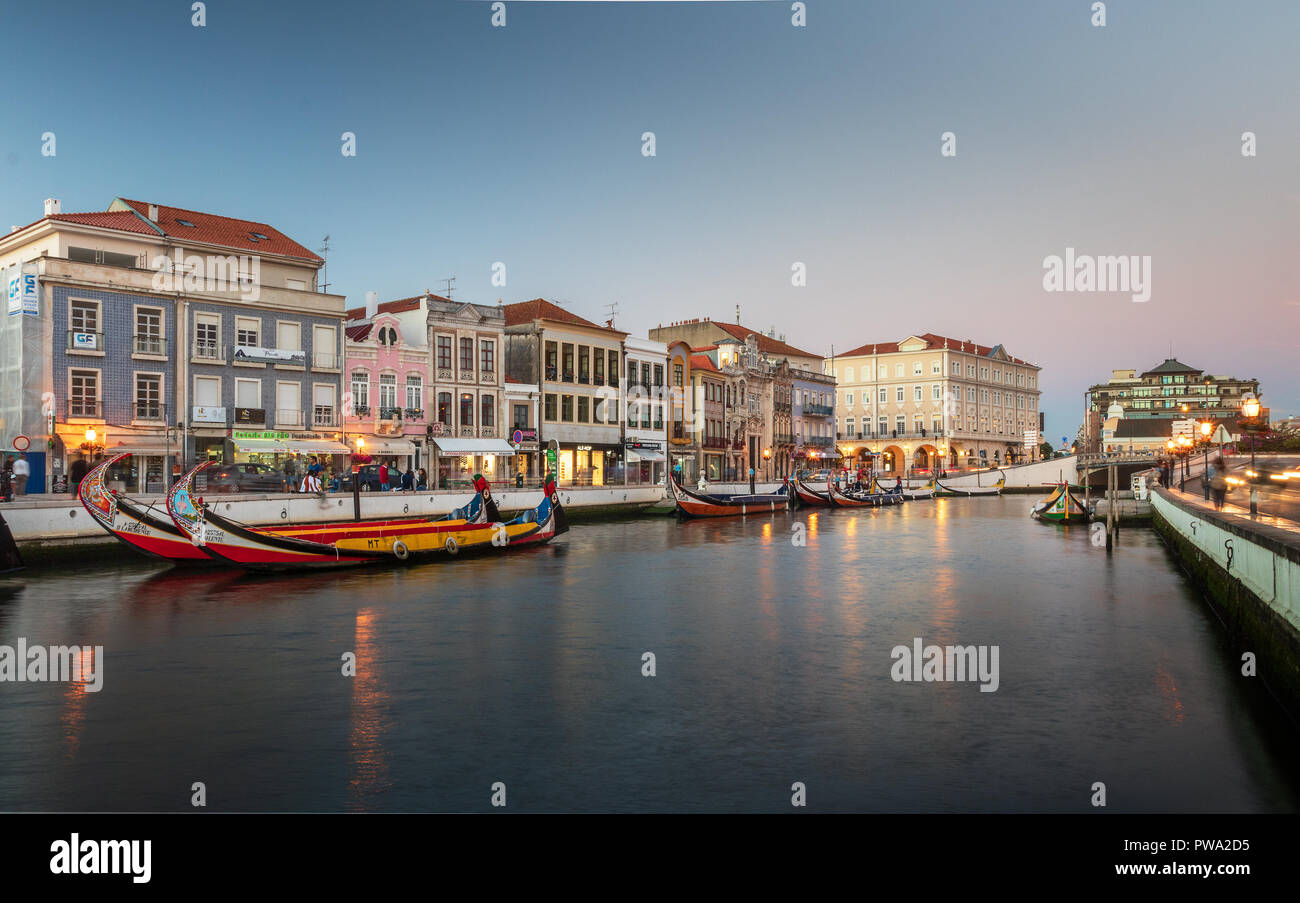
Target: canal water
{"type": "Point", "coordinates": [772, 640]}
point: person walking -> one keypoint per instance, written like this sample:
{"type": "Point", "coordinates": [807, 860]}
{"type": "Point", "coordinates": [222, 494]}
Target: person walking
{"type": "Point", "coordinates": [22, 470]}
{"type": "Point", "coordinates": [383, 477]}
{"type": "Point", "coordinates": [1219, 483]}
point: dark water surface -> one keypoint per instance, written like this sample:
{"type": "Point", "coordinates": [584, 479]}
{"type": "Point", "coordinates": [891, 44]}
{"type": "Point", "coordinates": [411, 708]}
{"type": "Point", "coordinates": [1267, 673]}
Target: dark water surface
{"type": "Point", "coordinates": [773, 666]}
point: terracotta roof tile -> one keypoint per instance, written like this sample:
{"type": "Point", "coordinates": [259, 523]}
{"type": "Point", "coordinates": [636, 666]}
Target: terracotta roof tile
{"type": "Point", "coordinates": [391, 307]}
{"type": "Point", "coordinates": [933, 341]}
{"type": "Point", "coordinates": [702, 362]}
{"type": "Point", "coordinates": [358, 333]}
{"type": "Point", "coordinates": [224, 231]}
{"type": "Point", "coordinates": [121, 220]}
{"type": "Point", "coordinates": [766, 344]}
{"type": "Point", "coordinates": [541, 309]}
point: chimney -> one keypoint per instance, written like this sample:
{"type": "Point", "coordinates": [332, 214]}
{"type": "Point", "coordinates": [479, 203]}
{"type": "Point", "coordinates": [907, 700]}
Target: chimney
{"type": "Point", "coordinates": [13, 228]}
{"type": "Point", "coordinates": [153, 212]}
{"type": "Point", "coordinates": [52, 206]}
{"type": "Point", "coordinates": [372, 304]}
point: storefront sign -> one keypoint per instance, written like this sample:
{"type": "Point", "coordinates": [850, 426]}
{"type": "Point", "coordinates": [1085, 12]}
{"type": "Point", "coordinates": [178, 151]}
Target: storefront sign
{"type": "Point", "coordinates": [22, 293]}
{"type": "Point", "coordinates": [208, 415]}
{"type": "Point", "coordinates": [85, 341]}
{"type": "Point", "coordinates": [273, 435]}
{"type": "Point", "coordinates": [250, 415]}
{"type": "Point", "coordinates": [270, 355]}
{"type": "Point", "coordinates": [637, 443]}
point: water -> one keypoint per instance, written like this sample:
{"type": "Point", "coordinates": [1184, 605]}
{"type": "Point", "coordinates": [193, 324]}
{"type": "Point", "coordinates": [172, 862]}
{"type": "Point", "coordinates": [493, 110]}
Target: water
{"type": "Point", "coordinates": [773, 666]}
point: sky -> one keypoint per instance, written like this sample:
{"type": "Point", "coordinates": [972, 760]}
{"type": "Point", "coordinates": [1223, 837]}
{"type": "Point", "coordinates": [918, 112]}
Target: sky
{"type": "Point", "coordinates": [774, 145]}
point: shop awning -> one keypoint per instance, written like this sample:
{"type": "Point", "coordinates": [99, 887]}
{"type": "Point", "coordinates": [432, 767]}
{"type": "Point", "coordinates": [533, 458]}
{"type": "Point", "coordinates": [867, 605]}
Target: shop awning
{"type": "Point", "coordinates": [644, 454]}
{"type": "Point", "coordinates": [379, 445]}
{"type": "Point", "coordinates": [144, 447]}
{"type": "Point", "coordinates": [319, 447]}
{"type": "Point", "coordinates": [451, 446]}
{"type": "Point", "coordinates": [262, 446]}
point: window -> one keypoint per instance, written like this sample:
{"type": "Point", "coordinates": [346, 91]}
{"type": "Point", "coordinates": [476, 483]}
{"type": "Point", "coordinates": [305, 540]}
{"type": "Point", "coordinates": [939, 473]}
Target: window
{"type": "Point", "coordinates": [956, 368]}
{"type": "Point", "coordinates": [884, 395]}
{"type": "Point", "coordinates": [645, 415]}
{"type": "Point", "coordinates": [567, 374]}
{"type": "Point", "coordinates": [849, 426]}
{"type": "Point", "coordinates": [360, 392]}
{"type": "Point", "coordinates": [659, 416]}
{"type": "Point", "coordinates": [970, 371]}
{"type": "Point", "coordinates": [936, 366]}
{"type": "Point", "coordinates": [467, 401]}
{"type": "Point", "coordinates": [584, 409]}
{"type": "Point", "coordinates": [467, 356]}
{"type": "Point", "coordinates": [549, 411]}
{"type": "Point", "coordinates": [487, 356]}
{"type": "Point", "coordinates": [631, 374]}
{"type": "Point", "coordinates": [566, 408]}
{"type": "Point", "coordinates": [207, 391]}
{"type": "Point", "coordinates": [900, 424]}
{"type": "Point", "coordinates": [108, 258]}
{"type": "Point", "coordinates": [288, 404]}
{"type": "Point", "coordinates": [414, 395]}
{"type": "Point", "coordinates": [148, 396]}
{"type": "Point", "coordinates": [584, 365]}
{"type": "Point", "coordinates": [679, 375]}
{"type": "Point", "coordinates": [970, 393]}
{"type": "Point", "coordinates": [521, 416]}
{"type": "Point", "coordinates": [898, 369]}
{"type": "Point", "coordinates": [387, 394]}
{"type": "Point", "coordinates": [613, 364]}
{"type": "Point", "coordinates": [248, 393]}
{"type": "Point", "coordinates": [552, 362]}
{"type": "Point", "coordinates": [324, 350]}
{"type": "Point", "coordinates": [916, 368]}
{"type": "Point", "coordinates": [207, 337]}
{"type": "Point", "coordinates": [936, 393]}
{"type": "Point", "coordinates": [659, 374]}
{"type": "Point", "coordinates": [936, 423]}
{"type": "Point", "coordinates": [848, 374]}
{"type": "Point", "coordinates": [288, 336]}
{"type": "Point", "coordinates": [898, 394]}
{"type": "Point", "coordinates": [386, 336]}
{"type": "Point", "coordinates": [83, 316]}
{"type": "Point", "coordinates": [884, 371]}
{"type": "Point", "coordinates": [444, 353]}
{"type": "Point", "coordinates": [882, 426]}
{"type": "Point", "coordinates": [149, 330]}
{"type": "Point", "coordinates": [645, 375]}
{"type": "Point", "coordinates": [322, 411]}
{"type": "Point", "coordinates": [848, 399]}
{"type": "Point", "coordinates": [487, 412]}
{"type": "Point", "coordinates": [444, 404]}
{"type": "Point", "coordinates": [83, 393]}
{"type": "Point", "coordinates": [598, 358]}
{"type": "Point", "coordinates": [916, 393]}
{"type": "Point", "coordinates": [248, 332]}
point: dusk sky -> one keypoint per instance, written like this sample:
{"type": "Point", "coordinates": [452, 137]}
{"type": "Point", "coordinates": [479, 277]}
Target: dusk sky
{"type": "Point", "coordinates": [774, 144]}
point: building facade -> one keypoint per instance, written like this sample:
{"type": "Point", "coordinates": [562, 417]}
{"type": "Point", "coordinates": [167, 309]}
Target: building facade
{"type": "Point", "coordinates": [813, 418]}
{"type": "Point", "coordinates": [647, 401]}
{"type": "Point", "coordinates": [929, 401]}
{"type": "Point", "coordinates": [157, 325]}
{"type": "Point", "coordinates": [578, 366]}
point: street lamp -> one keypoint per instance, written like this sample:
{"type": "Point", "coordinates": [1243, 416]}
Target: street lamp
{"type": "Point", "coordinates": [1250, 411]}
{"type": "Point", "coordinates": [767, 464]}
{"type": "Point", "coordinates": [1206, 426]}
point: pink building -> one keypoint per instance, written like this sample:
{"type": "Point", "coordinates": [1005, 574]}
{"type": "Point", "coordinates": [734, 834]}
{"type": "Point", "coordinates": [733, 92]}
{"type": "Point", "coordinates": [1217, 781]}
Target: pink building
{"type": "Point", "coordinates": [386, 361]}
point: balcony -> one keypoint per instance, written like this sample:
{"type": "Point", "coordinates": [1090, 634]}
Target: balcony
{"type": "Point", "coordinates": [466, 432]}
{"type": "Point", "coordinates": [80, 340]}
{"type": "Point", "coordinates": [714, 442]}
{"type": "Point", "coordinates": [324, 416]}
{"type": "Point", "coordinates": [287, 417]}
{"type": "Point", "coordinates": [390, 413]}
{"type": "Point", "coordinates": [487, 432]}
{"type": "Point", "coordinates": [818, 441]}
{"type": "Point", "coordinates": [783, 439]}
{"type": "Point", "coordinates": [208, 352]}
{"type": "Point", "coordinates": [150, 344]}
{"type": "Point", "coordinates": [818, 410]}
{"type": "Point", "coordinates": [413, 413]}
{"type": "Point", "coordinates": [84, 407]}
{"type": "Point", "coordinates": [361, 410]}
{"type": "Point", "coordinates": [145, 410]}
{"type": "Point", "coordinates": [739, 445]}
{"type": "Point", "coordinates": [852, 434]}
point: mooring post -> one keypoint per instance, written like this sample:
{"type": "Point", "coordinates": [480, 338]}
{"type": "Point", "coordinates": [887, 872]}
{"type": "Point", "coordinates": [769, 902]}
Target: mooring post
{"type": "Point", "coordinates": [356, 495]}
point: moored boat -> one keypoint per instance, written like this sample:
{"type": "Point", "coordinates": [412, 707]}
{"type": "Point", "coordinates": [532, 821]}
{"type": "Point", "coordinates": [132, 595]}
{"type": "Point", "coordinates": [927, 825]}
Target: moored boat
{"type": "Point", "coordinates": [847, 499]}
{"type": "Point", "coordinates": [811, 497]}
{"type": "Point", "coordinates": [699, 504]}
{"type": "Point", "coordinates": [926, 491]}
{"type": "Point", "coordinates": [134, 523]}
{"type": "Point", "coordinates": [994, 489]}
{"type": "Point", "coordinates": [1062, 507]}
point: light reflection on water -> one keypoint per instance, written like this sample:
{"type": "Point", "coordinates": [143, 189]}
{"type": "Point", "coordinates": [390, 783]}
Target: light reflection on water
{"type": "Point", "coordinates": [773, 663]}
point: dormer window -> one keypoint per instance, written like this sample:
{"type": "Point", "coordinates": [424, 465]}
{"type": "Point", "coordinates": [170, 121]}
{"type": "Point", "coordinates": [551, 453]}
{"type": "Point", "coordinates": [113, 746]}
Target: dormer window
{"type": "Point", "coordinates": [185, 222]}
{"type": "Point", "coordinates": [257, 236]}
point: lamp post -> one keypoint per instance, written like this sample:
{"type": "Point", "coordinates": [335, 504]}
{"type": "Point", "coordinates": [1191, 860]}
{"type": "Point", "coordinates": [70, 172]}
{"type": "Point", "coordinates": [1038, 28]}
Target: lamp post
{"type": "Point", "coordinates": [1250, 411]}
{"type": "Point", "coordinates": [1206, 426]}
{"type": "Point", "coordinates": [767, 464]}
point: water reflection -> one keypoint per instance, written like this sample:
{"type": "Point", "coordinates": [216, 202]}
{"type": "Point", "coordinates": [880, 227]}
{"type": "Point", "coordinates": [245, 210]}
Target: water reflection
{"type": "Point", "coordinates": [370, 717]}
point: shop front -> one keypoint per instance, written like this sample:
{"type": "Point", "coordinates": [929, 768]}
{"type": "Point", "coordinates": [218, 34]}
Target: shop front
{"type": "Point", "coordinates": [455, 461]}
{"type": "Point", "coordinates": [153, 458]}
{"type": "Point", "coordinates": [526, 468]}
{"type": "Point", "coordinates": [289, 452]}
{"type": "Point", "coordinates": [645, 462]}
{"type": "Point", "coordinates": [585, 464]}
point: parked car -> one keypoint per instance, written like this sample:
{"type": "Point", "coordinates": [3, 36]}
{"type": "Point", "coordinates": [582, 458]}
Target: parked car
{"type": "Point", "coordinates": [367, 478]}
{"type": "Point", "coordinates": [245, 478]}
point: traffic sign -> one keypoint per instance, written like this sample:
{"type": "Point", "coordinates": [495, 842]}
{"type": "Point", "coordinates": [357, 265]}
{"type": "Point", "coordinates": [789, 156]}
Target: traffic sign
{"type": "Point", "coordinates": [519, 437]}
{"type": "Point", "coordinates": [22, 443]}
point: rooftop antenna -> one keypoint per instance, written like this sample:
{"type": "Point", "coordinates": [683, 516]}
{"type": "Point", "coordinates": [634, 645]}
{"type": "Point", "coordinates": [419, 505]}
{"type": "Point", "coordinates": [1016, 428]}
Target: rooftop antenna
{"type": "Point", "coordinates": [449, 280]}
{"type": "Point", "coordinates": [737, 314]}
{"type": "Point", "coordinates": [323, 251]}
{"type": "Point", "coordinates": [613, 312]}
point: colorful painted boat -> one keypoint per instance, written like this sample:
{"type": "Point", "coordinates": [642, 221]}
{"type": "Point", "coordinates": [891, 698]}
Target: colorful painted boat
{"type": "Point", "coordinates": [1062, 507]}
{"type": "Point", "coordinates": [134, 523]}
{"type": "Point", "coordinates": [811, 497]}
{"type": "Point", "coordinates": [698, 504]}
{"type": "Point", "coordinates": [351, 544]}
{"type": "Point", "coordinates": [926, 491]}
{"type": "Point", "coordinates": [995, 489]}
{"type": "Point", "coordinates": [847, 499]}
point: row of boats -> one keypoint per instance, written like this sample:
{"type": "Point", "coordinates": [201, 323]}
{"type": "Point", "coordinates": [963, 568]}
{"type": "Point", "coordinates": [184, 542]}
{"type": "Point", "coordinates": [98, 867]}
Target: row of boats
{"type": "Point", "coordinates": [693, 503]}
{"type": "Point", "coordinates": [189, 531]}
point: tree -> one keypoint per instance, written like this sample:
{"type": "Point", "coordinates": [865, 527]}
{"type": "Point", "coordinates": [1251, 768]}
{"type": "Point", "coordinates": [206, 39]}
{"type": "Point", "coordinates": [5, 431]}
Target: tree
{"type": "Point", "coordinates": [1046, 452]}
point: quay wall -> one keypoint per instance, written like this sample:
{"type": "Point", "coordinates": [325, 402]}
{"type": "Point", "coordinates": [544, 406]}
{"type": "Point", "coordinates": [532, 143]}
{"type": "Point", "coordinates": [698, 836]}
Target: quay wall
{"type": "Point", "coordinates": [1249, 572]}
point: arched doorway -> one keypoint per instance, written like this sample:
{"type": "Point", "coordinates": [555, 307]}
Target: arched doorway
{"type": "Point", "coordinates": [925, 458]}
{"type": "Point", "coordinates": [891, 460]}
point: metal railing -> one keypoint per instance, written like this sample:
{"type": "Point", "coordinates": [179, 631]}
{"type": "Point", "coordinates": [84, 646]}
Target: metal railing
{"type": "Point", "coordinates": [413, 413]}
{"type": "Point", "coordinates": [390, 413]}
{"type": "Point", "coordinates": [150, 344]}
{"type": "Point", "coordinates": [284, 417]}
{"type": "Point", "coordinates": [322, 415]}
{"type": "Point", "coordinates": [324, 360]}
{"type": "Point", "coordinates": [208, 351]}
{"type": "Point", "coordinates": [148, 410]}
{"type": "Point", "coordinates": [818, 410]}
{"type": "Point", "coordinates": [83, 407]}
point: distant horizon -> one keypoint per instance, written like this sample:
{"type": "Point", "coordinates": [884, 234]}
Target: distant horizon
{"type": "Point", "coordinates": [880, 171]}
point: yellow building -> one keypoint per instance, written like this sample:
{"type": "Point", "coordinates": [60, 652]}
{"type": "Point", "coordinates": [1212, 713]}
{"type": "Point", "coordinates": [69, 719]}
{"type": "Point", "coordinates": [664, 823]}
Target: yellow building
{"type": "Point", "coordinates": [929, 399]}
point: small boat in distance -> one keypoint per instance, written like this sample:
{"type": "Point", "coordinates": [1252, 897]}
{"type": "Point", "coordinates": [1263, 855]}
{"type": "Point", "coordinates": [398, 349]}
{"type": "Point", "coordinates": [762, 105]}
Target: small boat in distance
{"type": "Point", "coordinates": [1062, 507]}
{"type": "Point", "coordinates": [849, 499]}
{"type": "Point", "coordinates": [811, 497]}
{"type": "Point", "coordinates": [994, 489]}
{"type": "Point", "coordinates": [925, 491]}
{"type": "Point", "coordinates": [698, 504]}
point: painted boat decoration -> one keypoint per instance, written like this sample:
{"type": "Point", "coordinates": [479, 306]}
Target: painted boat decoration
{"type": "Point", "coordinates": [1062, 507]}
{"type": "Point", "coordinates": [995, 489]}
{"type": "Point", "coordinates": [844, 499]}
{"type": "Point", "coordinates": [134, 523]}
{"type": "Point", "coordinates": [355, 543]}
{"type": "Point", "coordinates": [698, 504]}
{"type": "Point", "coordinates": [811, 497]}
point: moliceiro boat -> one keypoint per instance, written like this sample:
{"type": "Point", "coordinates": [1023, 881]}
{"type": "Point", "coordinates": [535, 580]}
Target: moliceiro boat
{"type": "Point", "coordinates": [926, 491]}
{"type": "Point", "coordinates": [1062, 507]}
{"type": "Point", "coordinates": [811, 497]}
{"type": "Point", "coordinates": [698, 504]}
{"type": "Point", "coordinates": [993, 489]}
{"type": "Point", "coordinates": [850, 499]}
{"type": "Point", "coordinates": [134, 523]}
{"type": "Point", "coordinates": [351, 544]}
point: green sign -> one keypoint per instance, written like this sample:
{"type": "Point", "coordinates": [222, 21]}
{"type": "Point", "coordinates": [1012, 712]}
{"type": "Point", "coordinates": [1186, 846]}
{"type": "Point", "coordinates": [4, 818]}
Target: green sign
{"type": "Point", "coordinates": [550, 458]}
{"type": "Point", "coordinates": [275, 435]}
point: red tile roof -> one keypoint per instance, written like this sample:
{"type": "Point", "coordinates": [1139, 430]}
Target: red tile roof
{"type": "Point", "coordinates": [391, 307]}
{"type": "Point", "coordinates": [225, 231]}
{"type": "Point", "coordinates": [705, 348]}
{"type": "Point", "coordinates": [932, 341]}
{"type": "Point", "coordinates": [541, 309]}
{"type": "Point", "coordinates": [766, 344]}
{"type": "Point", "coordinates": [121, 220]}
{"type": "Point", "coordinates": [702, 362]}
{"type": "Point", "coordinates": [358, 333]}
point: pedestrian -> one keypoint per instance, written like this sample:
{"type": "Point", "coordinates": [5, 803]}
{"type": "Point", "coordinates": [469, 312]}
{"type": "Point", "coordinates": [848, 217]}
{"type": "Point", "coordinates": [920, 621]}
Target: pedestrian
{"type": "Point", "coordinates": [7, 480]}
{"type": "Point", "coordinates": [1219, 483]}
{"type": "Point", "coordinates": [22, 470]}
{"type": "Point", "coordinates": [383, 477]}
{"type": "Point", "coordinates": [291, 473]}
{"type": "Point", "coordinates": [408, 481]}
{"type": "Point", "coordinates": [421, 480]}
